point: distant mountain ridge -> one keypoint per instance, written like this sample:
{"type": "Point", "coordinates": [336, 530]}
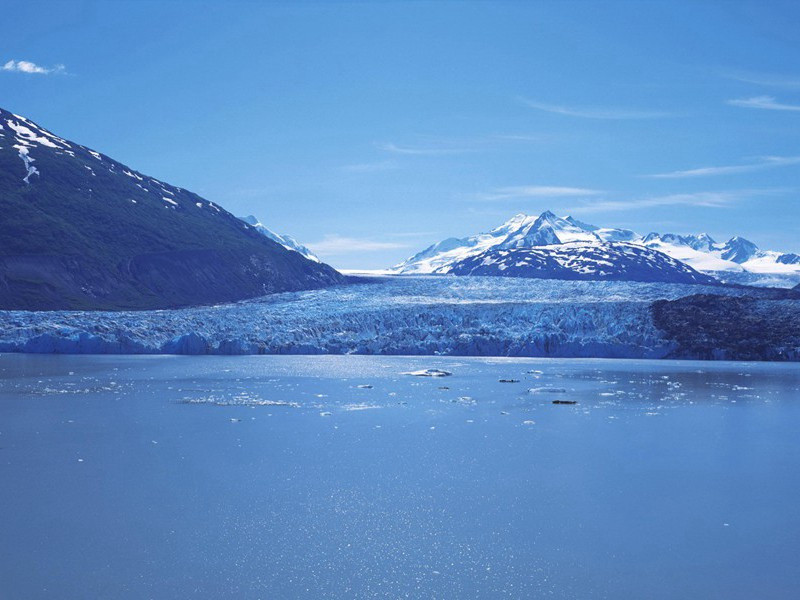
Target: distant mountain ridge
{"type": "Point", "coordinates": [82, 231]}
{"type": "Point", "coordinates": [607, 261]}
{"type": "Point", "coordinates": [700, 252]}
{"type": "Point", "coordinates": [286, 241]}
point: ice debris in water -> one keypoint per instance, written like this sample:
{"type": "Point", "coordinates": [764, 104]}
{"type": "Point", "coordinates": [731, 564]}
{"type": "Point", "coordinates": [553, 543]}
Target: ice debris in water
{"type": "Point", "coordinates": [239, 400]}
{"type": "Point", "coordinates": [428, 373]}
{"type": "Point", "coordinates": [547, 390]}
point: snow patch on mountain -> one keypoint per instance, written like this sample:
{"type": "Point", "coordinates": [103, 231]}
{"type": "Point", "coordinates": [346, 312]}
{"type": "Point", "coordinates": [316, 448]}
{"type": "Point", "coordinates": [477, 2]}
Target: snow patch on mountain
{"type": "Point", "coordinates": [27, 160]}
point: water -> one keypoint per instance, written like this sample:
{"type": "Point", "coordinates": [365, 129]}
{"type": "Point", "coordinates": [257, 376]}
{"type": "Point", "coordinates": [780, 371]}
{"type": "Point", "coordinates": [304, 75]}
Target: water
{"type": "Point", "coordinates": [279, 477]}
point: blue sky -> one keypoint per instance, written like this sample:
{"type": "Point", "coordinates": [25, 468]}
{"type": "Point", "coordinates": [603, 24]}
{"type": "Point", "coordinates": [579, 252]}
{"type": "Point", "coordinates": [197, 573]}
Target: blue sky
{"type": "Point", "coordinates": [370, 130]}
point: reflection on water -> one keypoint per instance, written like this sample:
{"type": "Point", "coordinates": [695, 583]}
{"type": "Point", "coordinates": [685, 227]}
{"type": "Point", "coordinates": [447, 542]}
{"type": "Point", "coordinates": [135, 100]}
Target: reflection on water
{"type": "Point", "coordinates": [348, 476]}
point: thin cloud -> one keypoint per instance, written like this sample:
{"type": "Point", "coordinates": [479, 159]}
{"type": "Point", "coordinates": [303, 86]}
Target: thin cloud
{"type": "Point", "coordinates": [765, 79]}
{"type": "Point", "coordinates": [697, 199]}
{"type": "Point", "coordinates": [592, 112]}
{"type": "Point", "coordinates": [25, 66]}
{"type": "Point", "coordinates": [336, 245]}
{"type": "Point", "coordinates": [536, 191]}
{"type": "Point", "coordinates": [519, 137]}
{"type": "Point", "coordinates": [764, 103]}
{"type": "Point", "coordinates": [371, 167]}
{"type": "Point", "coordinates": [764, 162]}
{"type": "Point", "coordinates": [416, 150]}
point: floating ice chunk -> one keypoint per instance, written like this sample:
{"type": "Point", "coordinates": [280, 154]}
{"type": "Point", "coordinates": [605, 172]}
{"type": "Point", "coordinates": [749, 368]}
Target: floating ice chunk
{"type": "Point", "coordinates": [547, 390]}
{"type": "Point", "coordinates": [428, 373]}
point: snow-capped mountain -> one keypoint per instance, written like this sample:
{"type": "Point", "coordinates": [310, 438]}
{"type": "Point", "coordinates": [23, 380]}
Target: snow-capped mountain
{"type": "Point", "coordinates": [80, 230]}
{"type": "Point", "coordinates": [286, 241]}
{"type": "Point", "coordinates": [701, 252]}
{"type": "Point", "coordinates": [737, 255]}
{"type": "Point", "coordinates": [582, 260]}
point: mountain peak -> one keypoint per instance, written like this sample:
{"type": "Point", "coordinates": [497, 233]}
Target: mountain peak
{"type": "Point", "coordinates": [699, 251]}
{"type": "Point", "coordinates": [739, 250]}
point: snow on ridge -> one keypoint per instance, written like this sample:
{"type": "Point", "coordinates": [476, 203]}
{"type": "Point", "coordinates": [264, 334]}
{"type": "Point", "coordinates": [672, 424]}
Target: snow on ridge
{"type": "Point", "coordinates": [699, 251]}
{"type": "Point", "coordinates": [284, 240]}
{"type": "Point", "coordinates": [26, 135]}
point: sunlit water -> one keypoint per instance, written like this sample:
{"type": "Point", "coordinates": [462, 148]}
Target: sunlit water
{"type": "Point", "coordinates": [280, 477]}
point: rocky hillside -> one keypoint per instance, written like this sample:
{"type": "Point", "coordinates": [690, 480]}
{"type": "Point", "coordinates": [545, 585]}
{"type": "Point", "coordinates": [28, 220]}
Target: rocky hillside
{"type": "Point", "coordinates": [83, 231]}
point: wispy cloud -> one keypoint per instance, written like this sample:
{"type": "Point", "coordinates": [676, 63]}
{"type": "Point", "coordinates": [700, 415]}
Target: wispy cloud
{"type": "Point", "coordinates": [536, 191]}
{"type": "Point", "coordinates": [763, 162]}
{"type": "Point", "coordinates": [25, 66]}
{"type": "Point", "coordinates": [765, 79]}
{"type": "Point", "coordinates": [763, 102]}
{"type": "Point", "coordinates": [520, 137]}
{"type": "Point", "coordinates": [371, 167]}
{"type": "Point", "coordinates": [421, 150]}
{"type": "Point", "coordinates": [336, 245]}
{"type": "Point", "coordinates": [720, 199]}
{"type": "Point", "coordinates": [595, 112]}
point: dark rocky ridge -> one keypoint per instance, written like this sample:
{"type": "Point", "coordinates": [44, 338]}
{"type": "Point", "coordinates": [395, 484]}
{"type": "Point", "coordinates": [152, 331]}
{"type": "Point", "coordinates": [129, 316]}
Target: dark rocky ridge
{"type": "Point", "coordinates": [765, 326]}
{"type": "Point", "coordinates": [82, 231]}
{"type": "Point", "coordinates": [609, 261]}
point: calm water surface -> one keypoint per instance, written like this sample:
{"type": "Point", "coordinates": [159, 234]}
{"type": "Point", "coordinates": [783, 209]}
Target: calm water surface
{"type": "Point", "coordinates": [289, 477]}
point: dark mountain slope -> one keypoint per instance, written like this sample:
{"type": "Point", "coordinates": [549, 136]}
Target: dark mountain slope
{"type": "Point", "coordinates": [609, 261]}
{"type": "Point", "coordinates": [82, 231]}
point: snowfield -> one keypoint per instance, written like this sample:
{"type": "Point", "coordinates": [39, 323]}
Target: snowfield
{"type": "Point", "coordinates": [381, 315]}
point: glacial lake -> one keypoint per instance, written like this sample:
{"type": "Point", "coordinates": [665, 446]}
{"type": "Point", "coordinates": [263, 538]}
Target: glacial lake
{"type": "Point", "coordinates": [341, 477]}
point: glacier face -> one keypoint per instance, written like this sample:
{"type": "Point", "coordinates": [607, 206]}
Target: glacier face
{"type": "Point", "coordinates": [490, 316]}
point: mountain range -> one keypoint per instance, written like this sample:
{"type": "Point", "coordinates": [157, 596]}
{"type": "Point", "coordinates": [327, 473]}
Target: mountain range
{"type": "Point", "coordinates": [582, 250]}
{"type": "Point", "coordinates": [80, 230]}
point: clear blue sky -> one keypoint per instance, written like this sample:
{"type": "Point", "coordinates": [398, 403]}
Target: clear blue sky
{"type": "Point", "coordinates": [370, 130]}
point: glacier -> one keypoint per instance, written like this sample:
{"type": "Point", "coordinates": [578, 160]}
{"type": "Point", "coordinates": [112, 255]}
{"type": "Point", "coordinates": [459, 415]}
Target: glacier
{"type": "Point", "coordinates": [410, 315]}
